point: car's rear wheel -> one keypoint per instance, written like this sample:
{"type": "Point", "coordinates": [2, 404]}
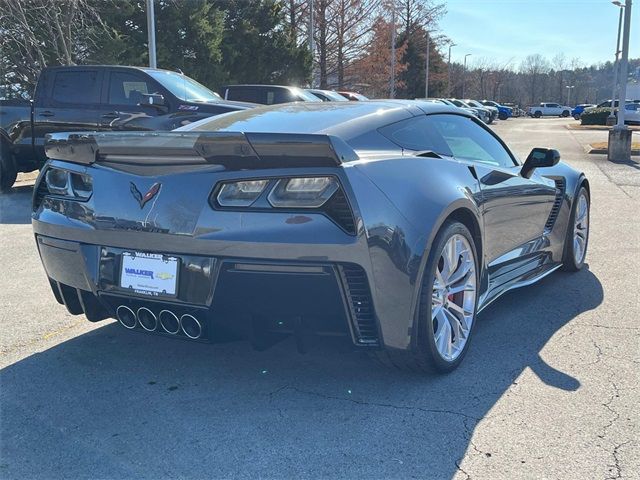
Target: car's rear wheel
{"type": "Point", "coordinates": [448, 301]}
{"type": "Point", "coordinates": [537, 114]}
{"type": "Point", "coordinates": [577, 239]}
{"type": "Point", "coordinates": [8, 172]}
{"type": "Point", "coordinates": [576, 117]}
{"type": "Point", "coordinates": [502, 116]}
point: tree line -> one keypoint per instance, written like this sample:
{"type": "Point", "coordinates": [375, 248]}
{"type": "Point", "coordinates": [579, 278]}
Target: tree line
{"type": "Point", "coordinates": [267, 41]}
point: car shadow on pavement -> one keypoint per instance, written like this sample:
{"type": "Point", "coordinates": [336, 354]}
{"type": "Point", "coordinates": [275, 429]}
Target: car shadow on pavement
{"type": "Point", "coordinates": [118, 404]}
{"type": "Point", "coordinates": [15, 206]}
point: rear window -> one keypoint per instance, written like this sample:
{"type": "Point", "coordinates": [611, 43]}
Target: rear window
{"type": "Point", "coordinates": [76, 87]}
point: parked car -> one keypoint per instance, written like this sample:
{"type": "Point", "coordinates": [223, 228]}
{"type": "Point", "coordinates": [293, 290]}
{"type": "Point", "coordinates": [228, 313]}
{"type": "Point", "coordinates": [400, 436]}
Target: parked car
{"type": "Point", "coordinates": [482, 113]}
{"type": "Point", "coordinates": [578, 109]}
{"type": "Point", "coordinates": [327, 95]}
{"type": "Point", "coordinates": [272, 223]}
{"type": "Point", "coordinates": [267, 94]}
{"type": "Point", "coordinates": [549, 109]}
{"type": "Point", "coordinates": [353, 96]}
{"type": "Point", "coordinates": [79, 98]}
{"type": "Point", "coordinates": [503, 111]}
{"type": "Point", "coordinates": [493, 111]}
{"type": "Point", "coordinates": [632, 113]}
{"type": "Point", "coordinates": [607, 104]}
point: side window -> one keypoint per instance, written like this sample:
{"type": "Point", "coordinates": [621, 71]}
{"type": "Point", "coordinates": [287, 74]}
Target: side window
{"type": "Point", "coordinates": [76, 87]}
{"type": "Point", "coordinates": [128, 88]}
{"type": "Point", "coordinates": [282, 95]}
{"type": "Point", "coordinates": [469, 141]}
{"type": "Point", "coordinates": [417, 133]}
{"type": "Point", "coordinates": [243, 94]}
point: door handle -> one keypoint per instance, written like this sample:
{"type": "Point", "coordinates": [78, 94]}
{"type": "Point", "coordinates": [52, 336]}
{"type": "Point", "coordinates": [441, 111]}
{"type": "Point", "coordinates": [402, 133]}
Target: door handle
{"type": "Point", "coordinates": [46, 113]}
{"type": "Point", "coordinates": [111, 115]}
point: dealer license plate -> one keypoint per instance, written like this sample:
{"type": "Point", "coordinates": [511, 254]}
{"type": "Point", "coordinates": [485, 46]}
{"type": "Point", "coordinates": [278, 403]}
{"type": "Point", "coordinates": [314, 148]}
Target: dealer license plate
{"type": "Point", "coordinates": [149, 273]}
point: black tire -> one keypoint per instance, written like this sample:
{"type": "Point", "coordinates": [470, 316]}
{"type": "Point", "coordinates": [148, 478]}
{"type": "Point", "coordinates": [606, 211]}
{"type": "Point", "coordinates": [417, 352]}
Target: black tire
{"type": "Point", "coordinates": [566, 113]}
{"type": "Point", "coordinates": [8, 172]}
{"type": "Point", "coordinates": [424, 357]}
{"type": "Point", "coordinates": [569, 262]}
{"type": "Point", "coordinates": [537, 114]}
{"type": "Point", "coordinates": [576, 117]}
{"type": "Point", "coordinates": [502, 116]}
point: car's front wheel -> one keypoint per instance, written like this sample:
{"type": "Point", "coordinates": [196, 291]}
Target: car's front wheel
{"type": "Point", "coordinates": [538, 114]}
{"type": "Point", "coordinates": [577, 239]}
{"type": "Point", "coordinates": [448, 302]}
{"type": "Point", "coordinates": [502, 116]}
{"type": "Point", "coordinates": [566, 113]}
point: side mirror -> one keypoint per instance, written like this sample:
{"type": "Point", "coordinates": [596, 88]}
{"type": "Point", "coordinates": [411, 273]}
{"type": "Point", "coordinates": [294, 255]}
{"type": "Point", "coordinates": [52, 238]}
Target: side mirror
{"type": "Point", "coordinates": [152, 99]}
{"type": "Point", "coordinates": [538, 158]}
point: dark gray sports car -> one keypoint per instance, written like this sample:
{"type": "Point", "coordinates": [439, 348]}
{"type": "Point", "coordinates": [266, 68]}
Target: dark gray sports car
{"type": "Point", "coordinates": [392, 223]}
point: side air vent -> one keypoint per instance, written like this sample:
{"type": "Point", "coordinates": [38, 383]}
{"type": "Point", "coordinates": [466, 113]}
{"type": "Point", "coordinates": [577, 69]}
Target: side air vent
{"type": "Point", "coordinates": [338, 209]}
{"type": "Point", "coordinates": [360, 303]}
{"type": "Point", "coordinates": [39, 193]}
{"type": "Point", "coordinates": [560, 188]}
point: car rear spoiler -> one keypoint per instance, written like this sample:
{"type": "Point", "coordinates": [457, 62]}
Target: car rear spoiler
{"type": "Point", "coordinates": [233, 150]}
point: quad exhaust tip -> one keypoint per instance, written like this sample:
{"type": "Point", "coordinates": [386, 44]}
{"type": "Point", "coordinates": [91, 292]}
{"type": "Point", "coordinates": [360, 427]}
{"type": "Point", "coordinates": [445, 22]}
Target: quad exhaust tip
{"type": "Point", "coordinates": [147, 319]}
{"type": "Point", "coordinates": [190, 326]}
{"type": "Point", "coordinates": [126, 317]}
{"type": "Point", "coordinates": [169, 322]}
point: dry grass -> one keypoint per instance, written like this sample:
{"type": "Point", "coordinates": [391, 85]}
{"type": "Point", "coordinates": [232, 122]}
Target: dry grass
{"type": "Point", "coordinates": [577, 126]}
{"type": "Point", "coordinates": [605, 145]}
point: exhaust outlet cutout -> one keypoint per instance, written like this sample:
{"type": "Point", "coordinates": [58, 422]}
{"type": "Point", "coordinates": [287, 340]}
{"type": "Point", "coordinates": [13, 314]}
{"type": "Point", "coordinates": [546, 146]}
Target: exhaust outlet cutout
{"type": "Point", "coordinates": [190, 326]}
{"type": "Point", "coordinates": [147, 319]}
{"type": "Point", "coordinates": [126, 317]}
{"type": "Point", "coordinates": [169, 322]}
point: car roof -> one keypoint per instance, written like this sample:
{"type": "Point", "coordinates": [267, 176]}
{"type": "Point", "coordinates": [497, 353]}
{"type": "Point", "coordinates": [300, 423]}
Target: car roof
{"type": "Point", "coordinates": [342, 119]}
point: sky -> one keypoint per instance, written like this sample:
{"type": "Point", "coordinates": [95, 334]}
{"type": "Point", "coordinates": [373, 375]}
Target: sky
{"type": "Point", "coordinates": [506, 31]}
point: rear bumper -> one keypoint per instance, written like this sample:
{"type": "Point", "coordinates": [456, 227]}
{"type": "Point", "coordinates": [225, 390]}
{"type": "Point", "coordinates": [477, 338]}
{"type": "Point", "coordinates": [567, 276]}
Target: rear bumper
{"type": "Point", "coordinates": [248, 297]}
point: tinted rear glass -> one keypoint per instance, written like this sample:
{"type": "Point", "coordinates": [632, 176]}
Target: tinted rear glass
{"type": "Point", "coordinates": [76, 87]}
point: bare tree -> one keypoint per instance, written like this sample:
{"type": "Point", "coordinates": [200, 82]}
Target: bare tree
{"type": "Point", "coordinates": [352, 24]}
{"type": "Point", "coordinates": [36, 33]}
{"type": "Point", "coordinates": [534, 66]}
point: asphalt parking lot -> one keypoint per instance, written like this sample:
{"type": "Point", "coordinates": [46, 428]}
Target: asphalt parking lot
{"type": "Point", "coordinates": [546, 390]}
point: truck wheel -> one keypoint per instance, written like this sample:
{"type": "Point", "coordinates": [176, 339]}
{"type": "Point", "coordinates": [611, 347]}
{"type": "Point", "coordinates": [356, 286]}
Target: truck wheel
{"type": "Point", "coordinates": [566, 113]}
{"type": "Point", "coordinates": [8, 172]}
{"type": "Point", "coordinates": [537, 114]}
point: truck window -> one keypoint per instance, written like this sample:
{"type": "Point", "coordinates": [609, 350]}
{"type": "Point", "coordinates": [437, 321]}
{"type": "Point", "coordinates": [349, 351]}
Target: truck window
{"type": "Point", "coordinates": [127, 88]}
{"type": "Point", "coordinates": [76, 87]}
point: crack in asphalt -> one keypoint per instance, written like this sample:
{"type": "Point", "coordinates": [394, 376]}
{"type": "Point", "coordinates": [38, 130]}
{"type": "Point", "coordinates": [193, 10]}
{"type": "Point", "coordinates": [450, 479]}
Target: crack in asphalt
{"type": "Point", "coordinates": [374, 404]}
{"type": "Point", "coordinates": [616, 465]}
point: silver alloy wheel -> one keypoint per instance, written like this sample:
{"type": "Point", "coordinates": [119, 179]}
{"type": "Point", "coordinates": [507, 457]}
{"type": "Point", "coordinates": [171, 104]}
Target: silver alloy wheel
{"type": "Point", "coordinates": [453, 300]}
{"type": "Point", "coordinates": [581, 229]}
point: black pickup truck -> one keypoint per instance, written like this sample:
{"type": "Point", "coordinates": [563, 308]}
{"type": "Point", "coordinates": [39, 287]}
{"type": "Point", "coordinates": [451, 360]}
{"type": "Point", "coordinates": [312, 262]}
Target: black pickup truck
{"type": "Point", "coordinates": [80, 98]}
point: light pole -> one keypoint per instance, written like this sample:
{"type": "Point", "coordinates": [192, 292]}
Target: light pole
{"type": "Point", "coordinates": [392, 83]}
{"type": "Point", "coordinates": [619, 148]}
{"type": "Point", "coordinates": [426, 71]}
{"type": "Point", "coordinates": [611, 120]}
{"type": "Point", "coordinates": [449, 70]}
{"type": "Point", "coordinates": [464, 73]}
{"type": "Point", "coordinates": [312, 44]}
{"type": "Point", "coordinates": [569, 88]}
{"type": "Point", "coordinates": [151, 33]}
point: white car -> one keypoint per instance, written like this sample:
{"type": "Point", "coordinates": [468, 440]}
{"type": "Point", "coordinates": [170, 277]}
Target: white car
{"type": "Point", "coordinates": [632, 113]}
{"type": "Point", "coordinates": [546, 109]}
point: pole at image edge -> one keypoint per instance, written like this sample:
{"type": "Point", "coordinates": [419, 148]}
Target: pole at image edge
{"type": "Point", "coordinates": [619, 146]}
{"type": "Point", "coordinates": [611, 120]}
{"type": "Point", "coordinates": [426, 74]}
{"type": "Point", "coordinates": [151, 32]}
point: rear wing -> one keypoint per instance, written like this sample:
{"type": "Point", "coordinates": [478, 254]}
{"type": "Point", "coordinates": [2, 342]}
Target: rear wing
{"type": "Point", "coordinates": [233, 150]}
